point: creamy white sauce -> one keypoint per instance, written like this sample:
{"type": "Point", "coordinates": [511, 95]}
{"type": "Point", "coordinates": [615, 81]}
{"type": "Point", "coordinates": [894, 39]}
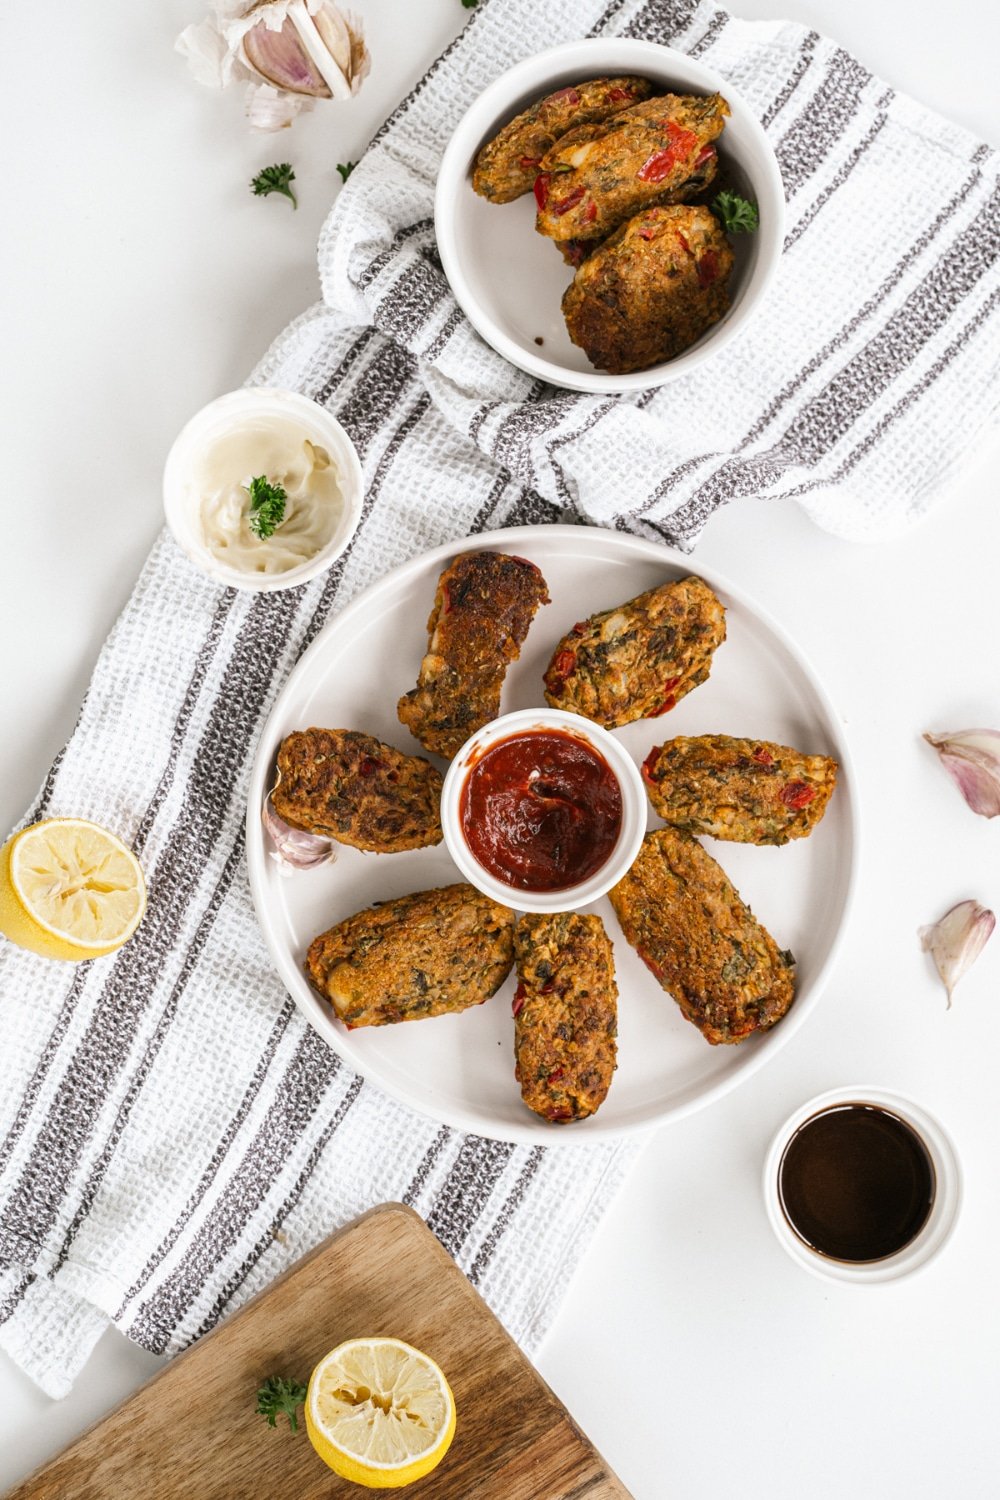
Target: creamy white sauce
{"type": "Point", "coordinates": [279, 448]}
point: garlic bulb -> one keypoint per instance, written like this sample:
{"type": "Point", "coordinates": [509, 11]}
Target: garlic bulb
{"type": "Point", "coordinates": [290, 52]}
{"type": "Point", "coordinates": [956, 941]}
{"type": "Point", "coordinates": [972, 759]}
{"type": "Point", "coordinates": [292, 848]}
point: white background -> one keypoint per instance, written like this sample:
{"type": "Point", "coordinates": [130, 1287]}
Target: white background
{"type": "Point", "coordinates": [141, 278]}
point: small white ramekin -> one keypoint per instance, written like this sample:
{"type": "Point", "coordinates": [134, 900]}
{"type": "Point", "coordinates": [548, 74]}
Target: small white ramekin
{"type": "Point", "coordinates": [633, 810]}
{"type": "Point", "coordinates": [221, 416]}
{"type": "Point", "coordinates": [944, 1209]}
{"type": "Point", "coordinates": [508, 280]}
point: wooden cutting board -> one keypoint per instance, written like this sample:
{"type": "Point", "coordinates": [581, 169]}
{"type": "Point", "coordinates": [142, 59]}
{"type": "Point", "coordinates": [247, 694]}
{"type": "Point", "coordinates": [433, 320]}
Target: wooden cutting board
{"type": "Point", "coordinates": [192, 1431]}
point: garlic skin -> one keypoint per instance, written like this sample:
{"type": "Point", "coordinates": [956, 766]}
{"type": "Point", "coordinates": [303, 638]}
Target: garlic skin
{"type": "Point", "coordinates": [289, 52]}
{"type": "Point", "coordinates": [956, 941]}
{"type": "Point", "coordinates": [972, 759]}
{"type": "Point", "coordinates": [292, 848]}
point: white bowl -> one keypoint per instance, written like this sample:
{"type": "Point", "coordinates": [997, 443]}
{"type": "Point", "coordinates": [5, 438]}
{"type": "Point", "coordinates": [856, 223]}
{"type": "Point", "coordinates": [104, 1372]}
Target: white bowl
{"type": "Point", "coordinates": [944, 1209]}
{"type": "Point", "coordinates": [220, 417]}
{"type": "Point", "coordinates": [509, 280]}
{"type": "Point", "coordinates": [630, 834]}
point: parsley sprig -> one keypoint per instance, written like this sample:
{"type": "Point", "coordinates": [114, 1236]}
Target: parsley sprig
{"type": "Point", "coordinates": [345, 169]}
{"type": "Point", "coordinates": [279, 1395]}
{"type": "Point", "coordinates": [267, 506]}
{"type": "Point", "coordinates": [738, 215]}
{"type": "Point", "coordinates": [276, 179]}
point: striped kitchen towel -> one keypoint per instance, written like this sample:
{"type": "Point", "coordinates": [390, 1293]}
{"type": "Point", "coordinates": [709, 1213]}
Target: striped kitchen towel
{"type": "Point", "coordinates": [174, 1135]}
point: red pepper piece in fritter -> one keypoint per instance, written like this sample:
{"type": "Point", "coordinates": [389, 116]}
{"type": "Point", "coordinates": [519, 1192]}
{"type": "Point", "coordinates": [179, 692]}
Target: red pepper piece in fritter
{"type": "Point", "coordinates": [637, 660]}
{"type": "Point", "coordinates": [484, 604]}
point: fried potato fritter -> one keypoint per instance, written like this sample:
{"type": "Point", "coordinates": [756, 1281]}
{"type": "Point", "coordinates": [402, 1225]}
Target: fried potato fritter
{"type": "Point", "coordinates": [423, 955]}
{"type": "Point", "coordinates": [637, 660]}
{"type": "Point", "coordinates": [651, 290]}
{"type": "Point", "coordinates": [597, 176]}
{"type": "Point", "coordinates": [566, 1014]}
{"type": "Point", "coordinates": [507, 165]}
{"type": "Point", "coordinates": [356, 789]}
{"type": "Point", "coordinates": [687, 923]}
{"type": "Point", "coordinates": [747, 791]}
{"type": "Point", "coordinates": [575, 252]}
{"type": "Point", "coordinates": [484, 604]}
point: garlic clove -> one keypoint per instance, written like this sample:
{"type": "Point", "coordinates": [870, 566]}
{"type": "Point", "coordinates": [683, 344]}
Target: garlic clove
{"type": "Point", "coordinates": [972, 759]}
{"type": "Point", "coordinates": [292, 848]}
{"type": "Point", "coordinates": [956, 941]}
{"type": "Point", "coordinates": [342, 37]}
{"type": "Point", "coordinates": [281, 60]}
{"type": "Point", "coordinates": [272, 109]}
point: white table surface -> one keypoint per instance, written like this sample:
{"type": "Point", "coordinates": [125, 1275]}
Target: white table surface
{"type": "Point", "coordinates": [140, 278]}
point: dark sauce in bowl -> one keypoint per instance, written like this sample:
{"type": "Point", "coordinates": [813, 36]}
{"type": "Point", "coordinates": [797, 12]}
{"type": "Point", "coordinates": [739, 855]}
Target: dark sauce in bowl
{"type": "Point", "coordinates": [856, 1183]}
{"type": "Point", "coordinates": [541, 811]}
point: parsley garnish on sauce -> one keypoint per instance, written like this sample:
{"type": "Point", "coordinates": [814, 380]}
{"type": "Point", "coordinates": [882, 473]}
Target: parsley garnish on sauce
{"type": "Point", "coordinates": [267, 506]}
{"type": "Point", "coordinates": [276, 179]}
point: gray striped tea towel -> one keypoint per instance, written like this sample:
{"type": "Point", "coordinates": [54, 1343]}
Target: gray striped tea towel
{"type": "Point", "coordinates": [174, 1135]}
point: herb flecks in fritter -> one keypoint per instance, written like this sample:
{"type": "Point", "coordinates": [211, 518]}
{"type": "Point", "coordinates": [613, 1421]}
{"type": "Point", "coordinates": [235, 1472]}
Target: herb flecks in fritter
{"type": "Point", "coordinates": [746, 791]}
{"type": "Point", "coordinates": [354, 788]}
{"type": "Point", "coordinates": [507, 165]}
{"type": "Point", "coordinates": [685, 919]}
{"type": "Point", "coordinates": [484, 605]}
{"type": "Point", "coordinates": [637, 660]}
{"type": "Point", "coordinates": [429, 954]}
{"type": "Point", "coordinates": [565, 1014]}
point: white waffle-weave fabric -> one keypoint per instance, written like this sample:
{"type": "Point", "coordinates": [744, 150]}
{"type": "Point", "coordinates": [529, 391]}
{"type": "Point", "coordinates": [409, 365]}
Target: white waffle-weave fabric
{"type": "Point", "coordinates": [174, 1135]}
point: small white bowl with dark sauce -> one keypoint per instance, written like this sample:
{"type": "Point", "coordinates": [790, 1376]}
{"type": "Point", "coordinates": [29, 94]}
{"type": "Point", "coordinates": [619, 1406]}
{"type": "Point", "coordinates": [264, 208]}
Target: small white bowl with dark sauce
{"type": "Point", "coordinates": [862, 1185]}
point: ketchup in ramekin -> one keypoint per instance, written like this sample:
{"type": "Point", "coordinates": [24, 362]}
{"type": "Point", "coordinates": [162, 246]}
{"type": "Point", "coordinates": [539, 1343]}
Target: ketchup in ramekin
{"type": "Point", "coordinates": [541, 810]}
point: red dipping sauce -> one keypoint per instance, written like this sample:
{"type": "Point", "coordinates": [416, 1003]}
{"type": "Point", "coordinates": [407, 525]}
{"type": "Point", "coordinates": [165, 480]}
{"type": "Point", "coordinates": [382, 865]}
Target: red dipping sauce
{"type": "Point", "coordinates": [541, 811]}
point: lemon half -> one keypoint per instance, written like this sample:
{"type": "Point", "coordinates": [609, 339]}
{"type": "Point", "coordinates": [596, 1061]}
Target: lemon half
{"type": "Point", "coordinates": [379, 1413]}
{"type": "Point", "coordinates": [69, 889]}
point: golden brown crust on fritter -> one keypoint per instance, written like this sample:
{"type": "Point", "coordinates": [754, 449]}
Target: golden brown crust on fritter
{"type": "Point", "coordinates": [747, 791]}
{"type": "Point", "coordinates": [507, 165]}
{"type": "Point", "coordinates": [358, 790]}
{"type": "Point", "coordinates": [422, 955]}
{"type": "Point", "coordinates": [637, 660]}
{"type": "Point", "coordinates": [566, 1014]}
{"type": "Point", "coordinates": [575, 252]}
{"type": "Point", "coordinates": [595, 178]}
{"type": "Point", "coordinates": [651, 290]}
{"type": "Point", "coordinates": [687, 923]}
{"type": "Point", "coordinates": [484, 604]}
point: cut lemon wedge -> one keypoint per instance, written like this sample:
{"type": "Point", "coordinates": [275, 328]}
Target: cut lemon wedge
{"type": "Point", "coordinates": [69, 889]}
{"type": "Point", "coordinates": [379, 1413]}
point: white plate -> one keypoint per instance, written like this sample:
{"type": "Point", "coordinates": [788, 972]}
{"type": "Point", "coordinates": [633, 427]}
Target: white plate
{"type": "Point", "coordinates": [459, 1069]}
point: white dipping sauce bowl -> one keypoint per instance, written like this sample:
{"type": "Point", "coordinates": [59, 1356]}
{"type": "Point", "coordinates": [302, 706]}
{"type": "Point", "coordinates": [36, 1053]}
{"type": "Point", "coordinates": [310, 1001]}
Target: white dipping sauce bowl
{"type": "Point", "coordinates": [509, 281]}
{"type": "Point", "coordinates": [630, 834]}
{"type": "Point", "coordinates": [182, 505]}
{"type": "Point", "coordinates": [939, 1223]}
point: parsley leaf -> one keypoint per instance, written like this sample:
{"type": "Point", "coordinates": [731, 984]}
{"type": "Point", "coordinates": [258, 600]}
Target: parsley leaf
{"type": "Point", "coordinates": [279, 1395]}
{"type": "Point", "coordinates": [345, 169]}
{"type": "Point", "coordinates": [470, 4]}
{"type": "Point", "coordinates": [267, 506]}
{"type": "Point", "coordinates": [276, 179]}
{"type": "Point", "coordinates": [737, 214]}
